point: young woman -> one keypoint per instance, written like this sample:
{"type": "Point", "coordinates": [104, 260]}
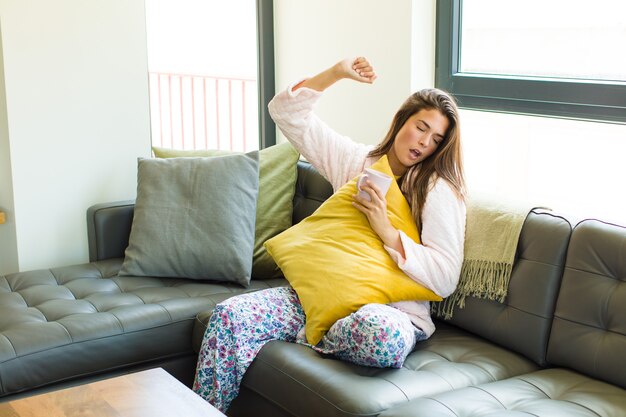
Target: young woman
{"type": "Point", "coordinates": [424, 152]}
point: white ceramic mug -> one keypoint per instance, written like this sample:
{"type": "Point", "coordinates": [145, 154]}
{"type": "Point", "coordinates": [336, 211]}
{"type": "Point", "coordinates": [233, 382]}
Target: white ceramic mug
{"type": "Point", "coordinates": [382, 181]}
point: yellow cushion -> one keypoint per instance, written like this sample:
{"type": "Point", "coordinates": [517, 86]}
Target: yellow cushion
{"type": "Point", "coordinates": [336, 263]}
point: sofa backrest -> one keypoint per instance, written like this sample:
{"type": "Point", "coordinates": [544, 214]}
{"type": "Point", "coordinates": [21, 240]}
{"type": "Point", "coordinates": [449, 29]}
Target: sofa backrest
{"type": "Point", "coordinates": [108, 229]}
{"type": "Point", "coordinates": [522, 323]}
{"type": "Point", "coordinates": [311, 191]}
{"type": "Point", "coordinates": [589, 329]}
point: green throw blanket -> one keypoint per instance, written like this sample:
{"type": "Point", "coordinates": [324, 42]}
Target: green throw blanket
{"type": "Point", "coordinates": [491, 234]}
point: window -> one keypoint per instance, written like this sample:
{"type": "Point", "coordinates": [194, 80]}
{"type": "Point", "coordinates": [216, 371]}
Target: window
{"type": "Point", "coordinates": [556, 58]}
{"type": "Point", "coordinates": [211, 73]}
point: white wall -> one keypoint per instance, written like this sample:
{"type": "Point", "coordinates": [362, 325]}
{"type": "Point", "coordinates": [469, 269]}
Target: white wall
{"type": "Point", "coordinates": [310, 36]}
{"type": "Point", "coordinates": [75, 73]}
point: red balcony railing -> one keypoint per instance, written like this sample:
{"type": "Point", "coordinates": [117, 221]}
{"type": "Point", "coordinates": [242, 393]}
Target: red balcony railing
{"type": "Point", "coordinates": [203, 112]}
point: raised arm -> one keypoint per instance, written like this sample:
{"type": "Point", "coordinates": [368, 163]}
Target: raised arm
{"type": "Point", "coordinates": [338, 158]}
{"type": "Point", "coordinates": [358, 69]}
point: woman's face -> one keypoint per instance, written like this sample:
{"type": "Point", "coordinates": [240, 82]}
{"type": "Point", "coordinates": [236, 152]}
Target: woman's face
{"type": "Point", "coordinates": [418, 139]}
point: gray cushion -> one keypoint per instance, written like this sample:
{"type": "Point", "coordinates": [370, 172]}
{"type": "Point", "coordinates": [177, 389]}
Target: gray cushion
{"type": "Point", "coordinates": [194, 218]}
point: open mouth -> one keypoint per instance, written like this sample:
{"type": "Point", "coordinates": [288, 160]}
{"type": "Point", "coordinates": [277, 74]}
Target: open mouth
{"type": "Point", "coordinates": [415, 153]}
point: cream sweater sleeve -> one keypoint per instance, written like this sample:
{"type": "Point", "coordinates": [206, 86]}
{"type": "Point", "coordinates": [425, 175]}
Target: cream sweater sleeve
{"type": "Point", "coordinates": [336, 157]}
{"type": "Point", "coordinates": [436, 262]}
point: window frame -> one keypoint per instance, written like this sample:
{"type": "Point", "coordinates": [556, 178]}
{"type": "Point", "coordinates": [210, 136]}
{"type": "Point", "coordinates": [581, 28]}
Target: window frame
{"type": "Point", "coordinates": [564, 98]}
{"type": "Point", "coordinates": [265, 68]}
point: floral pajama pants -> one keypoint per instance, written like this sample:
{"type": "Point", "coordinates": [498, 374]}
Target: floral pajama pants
{"type": "Point", "coordinates": [376, 335]}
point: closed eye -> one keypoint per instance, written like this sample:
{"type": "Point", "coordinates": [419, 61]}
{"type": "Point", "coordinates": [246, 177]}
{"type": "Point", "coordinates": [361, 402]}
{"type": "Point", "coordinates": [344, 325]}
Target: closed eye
{"type": "Point", "coordinates": [423, 127]}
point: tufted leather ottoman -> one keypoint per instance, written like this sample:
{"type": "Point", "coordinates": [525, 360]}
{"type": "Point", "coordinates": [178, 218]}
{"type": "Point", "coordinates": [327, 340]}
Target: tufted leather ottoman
{"type": "Point", "coordinates": [74, 321]}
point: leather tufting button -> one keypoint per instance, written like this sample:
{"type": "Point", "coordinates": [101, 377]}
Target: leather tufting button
{"type": "Point", "coordinates": [68, 274]}
{"type": "Point", "coordinates": [55, 310]}
{"type": "Point", "coordinates": [11, 301]}
{"type": "Point", "coordinates": [84, 287]}
{"type": "Point", "coordinates": [20, 318]}
{"type": "Point", "coordinates": [24, 280]}
{"type": "Point", "coordinates": [107, 302]}
{"type": "Point", "coordinates": [39, 294]}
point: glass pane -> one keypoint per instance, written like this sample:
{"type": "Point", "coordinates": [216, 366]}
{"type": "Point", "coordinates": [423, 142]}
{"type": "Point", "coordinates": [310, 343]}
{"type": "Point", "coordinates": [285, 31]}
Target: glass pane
{"type": "Point", "coordinates": [577, 39]}
{"type": "Point", "coordinates": [202, 61]}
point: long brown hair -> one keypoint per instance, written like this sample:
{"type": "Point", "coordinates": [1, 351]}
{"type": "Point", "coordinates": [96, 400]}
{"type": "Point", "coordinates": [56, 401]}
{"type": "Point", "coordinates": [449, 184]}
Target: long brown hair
{"type": "Point", "coordinates": [446, 162]}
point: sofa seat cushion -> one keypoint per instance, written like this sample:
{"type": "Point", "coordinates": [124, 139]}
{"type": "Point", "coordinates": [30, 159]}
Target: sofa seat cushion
{"type": "Point", "coordinates": [550, 392]}
{"type": "Point", "coordinates": [73, 321]}
{"type": "Point", "coordinates": [305, 383]}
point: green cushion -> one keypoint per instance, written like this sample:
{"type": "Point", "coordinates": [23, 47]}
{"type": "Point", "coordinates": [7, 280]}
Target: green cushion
{"type": "Point", "coordinates": [277, 181]}
{"type": "Point", "coordinates": [194, 218]}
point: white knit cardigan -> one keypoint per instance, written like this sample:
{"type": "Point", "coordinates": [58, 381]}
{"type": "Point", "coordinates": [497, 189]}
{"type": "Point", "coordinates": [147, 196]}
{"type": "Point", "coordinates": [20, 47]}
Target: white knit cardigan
{"type": "Point", "coordinates": [436, 262]}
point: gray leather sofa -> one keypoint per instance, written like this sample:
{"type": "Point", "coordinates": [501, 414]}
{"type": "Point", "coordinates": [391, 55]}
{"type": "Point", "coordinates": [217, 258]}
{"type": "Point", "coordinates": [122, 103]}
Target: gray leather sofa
{"type": "Point", "coordinates": [557, 346]}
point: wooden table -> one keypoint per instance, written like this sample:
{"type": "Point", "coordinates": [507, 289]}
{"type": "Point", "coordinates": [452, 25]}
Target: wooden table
{"type": "Point", "coordinates": [151, 393]}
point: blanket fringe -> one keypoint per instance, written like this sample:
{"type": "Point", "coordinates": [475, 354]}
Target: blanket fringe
{"type": "Point", "coordinates": [479, 278]}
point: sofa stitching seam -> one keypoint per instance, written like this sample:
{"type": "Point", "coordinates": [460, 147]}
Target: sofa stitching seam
{"type": "Point", "coordinates": [117, 319]}
{"type": "Point", "coordinates": [521, 378]}
{"type": "Point", "coordinates": [442, 404]}
{"type": "Point", "coordinates": [479, 388]}
{"type": "Point", "coordinates": [434, 373]}
{"type": "Point", "coordinates": [594, 273]}
{"type": "Point", "coordinates": [586, 325]}
{"type": "Point", "coordinates": [11, 343]}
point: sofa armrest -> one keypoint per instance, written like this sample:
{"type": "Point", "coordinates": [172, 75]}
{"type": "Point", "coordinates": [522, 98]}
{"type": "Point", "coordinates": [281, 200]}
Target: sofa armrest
{"type": "Point", "coordinates": [108, 229]}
